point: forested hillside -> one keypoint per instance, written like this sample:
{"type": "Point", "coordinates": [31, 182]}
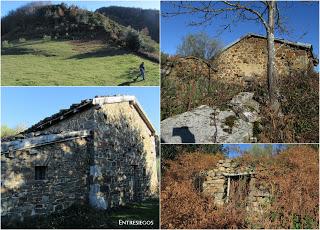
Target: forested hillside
{"type": "Point", "coordinates": [139, 19]}
{"type": "Point", "coordinates": [60, 21]}
{"type": "Point", "coordinates": [36, 20]}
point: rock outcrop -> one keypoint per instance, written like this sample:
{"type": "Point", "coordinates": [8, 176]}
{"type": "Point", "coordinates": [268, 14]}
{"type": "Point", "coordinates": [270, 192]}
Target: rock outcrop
{"type": "Point", "coordinates": [213, 125]}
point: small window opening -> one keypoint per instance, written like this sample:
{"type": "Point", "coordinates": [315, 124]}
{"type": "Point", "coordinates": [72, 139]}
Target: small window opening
{"type": "Point", "coordinates": [40, 172]}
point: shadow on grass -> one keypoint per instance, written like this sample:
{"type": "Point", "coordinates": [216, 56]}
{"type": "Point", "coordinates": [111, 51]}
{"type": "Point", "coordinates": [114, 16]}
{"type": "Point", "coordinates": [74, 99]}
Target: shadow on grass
{"type": "Point", "coordinates": [16, 50]}
{"type": "Point", "coordinates": [84, 217]}
{"type": "Point", "coordinates": [104, 52]}
{"type": "Point", "coordinates": [133, 74]}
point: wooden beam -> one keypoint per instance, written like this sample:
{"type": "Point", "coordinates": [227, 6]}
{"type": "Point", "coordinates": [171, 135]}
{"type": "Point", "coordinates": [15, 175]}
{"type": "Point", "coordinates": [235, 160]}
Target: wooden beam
{"type": "Point", "coordinates": [228, 190]}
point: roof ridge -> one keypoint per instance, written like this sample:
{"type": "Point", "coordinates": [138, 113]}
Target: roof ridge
{"type": "Point", "coordinates": [298, 44]}
{"type": "Point", "coordinates": [88, 103]}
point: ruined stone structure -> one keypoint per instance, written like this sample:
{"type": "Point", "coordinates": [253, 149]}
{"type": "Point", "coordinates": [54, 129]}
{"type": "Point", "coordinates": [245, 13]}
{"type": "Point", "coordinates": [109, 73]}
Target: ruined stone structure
{"type": "Point", "coordinates": [230, 183]}
{"type": "Point", "coordinates": [246, 58]}
{"type": "Point", "coordinates": [100, 151]}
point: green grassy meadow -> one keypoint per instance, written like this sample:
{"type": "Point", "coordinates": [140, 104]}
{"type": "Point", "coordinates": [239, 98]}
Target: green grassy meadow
{"type": "Point", "coordinates": [72, 63]}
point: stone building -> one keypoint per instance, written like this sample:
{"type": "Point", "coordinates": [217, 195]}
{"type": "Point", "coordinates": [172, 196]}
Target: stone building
{"type": "Point", "coordinates": [228, 182]}
{"type": "Point", "coordinates": [246, 58]}
{"type": "Point", "coordinates": [101, 151]}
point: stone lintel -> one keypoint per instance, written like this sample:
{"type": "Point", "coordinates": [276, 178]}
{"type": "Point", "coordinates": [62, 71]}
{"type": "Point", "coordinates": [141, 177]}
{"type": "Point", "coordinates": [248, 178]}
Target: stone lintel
{"type": "Point", "coordinates": [238, 174]}
{"type": "Point", "coordinates": [33, 142]}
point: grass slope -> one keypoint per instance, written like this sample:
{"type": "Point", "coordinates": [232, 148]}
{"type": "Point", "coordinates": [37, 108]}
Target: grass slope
{"type": "Point", "coordinates": [40, 62]}
{"type": "Point", "coordinates": [85, 217]}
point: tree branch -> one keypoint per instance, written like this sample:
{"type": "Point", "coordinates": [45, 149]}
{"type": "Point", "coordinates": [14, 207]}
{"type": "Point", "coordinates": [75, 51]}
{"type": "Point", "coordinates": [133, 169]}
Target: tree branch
{"type": "Point", "coordinates": [259, 15]}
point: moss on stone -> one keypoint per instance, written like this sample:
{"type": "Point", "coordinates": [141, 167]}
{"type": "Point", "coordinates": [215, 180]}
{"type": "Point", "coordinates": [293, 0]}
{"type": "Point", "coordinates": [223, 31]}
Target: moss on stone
{"type": "Point", "coordinates": [230, 121]}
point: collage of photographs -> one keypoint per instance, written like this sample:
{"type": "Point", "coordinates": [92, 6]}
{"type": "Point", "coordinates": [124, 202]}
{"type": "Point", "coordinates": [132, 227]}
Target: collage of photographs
{"type": "Point", "coordinates": [159, 114]}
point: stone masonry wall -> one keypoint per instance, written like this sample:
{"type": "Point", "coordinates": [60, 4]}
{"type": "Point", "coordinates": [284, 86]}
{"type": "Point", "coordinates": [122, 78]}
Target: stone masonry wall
{"type": "Point", "coordinates": [214, 183]}
{"type": "Point", "coordinates": [124, 156]}
{"type": "Point", "coordinates": [117, 166]}
{"type": "Point", "coordinates": [248, 59]}
{"type": "Point", "coordinates": [65, 181]}
{"type": "Point", "coordinates": [79, 121]}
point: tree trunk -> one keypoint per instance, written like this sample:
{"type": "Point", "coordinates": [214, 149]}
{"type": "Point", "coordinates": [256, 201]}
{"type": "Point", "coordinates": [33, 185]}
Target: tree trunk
{"type": "Point", "coordinates": [271, 73]}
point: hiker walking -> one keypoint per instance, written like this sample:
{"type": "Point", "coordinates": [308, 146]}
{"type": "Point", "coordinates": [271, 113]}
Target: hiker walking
{"type": "Point", "coordinates": [142, 70]}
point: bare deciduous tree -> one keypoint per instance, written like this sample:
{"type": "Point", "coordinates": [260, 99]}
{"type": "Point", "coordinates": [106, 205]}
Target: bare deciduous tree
{"type": "Point", "coordinates": [264, 12]}
{"type": "Point", "coordinates": [199, 45]}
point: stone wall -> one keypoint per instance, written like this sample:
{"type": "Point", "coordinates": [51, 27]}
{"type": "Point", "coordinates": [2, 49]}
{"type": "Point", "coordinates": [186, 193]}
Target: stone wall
{"type": "Point", "coordinates": [217, 182]}
{"type": "Point", "coordinates": [66, 179]}
{"type": "Point", "coordinates": [121, 140]}
{"type": "Point", "coordinates": [248, 59]}
{"type": "Point", "coordinates": [125, 156]}
{"type": "Point", "coordinates": [79, 121]}
{"type": "Point", "coordinates": [115, 167]}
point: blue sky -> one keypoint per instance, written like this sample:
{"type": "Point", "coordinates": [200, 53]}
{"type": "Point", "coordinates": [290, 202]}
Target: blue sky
{"type": "Point", "coordinates": [300, 17]}
{"type": "Point", "coordinates": [6, 6]}
{"type": "Point", "coordinates": [236, 150]}
{"type": "Point", "coordinates": [28, 105]}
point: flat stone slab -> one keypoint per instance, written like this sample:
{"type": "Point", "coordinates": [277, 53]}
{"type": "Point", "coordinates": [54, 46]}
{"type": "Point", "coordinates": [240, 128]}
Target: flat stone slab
{"type": "Point", "coordinates": [205, 125]}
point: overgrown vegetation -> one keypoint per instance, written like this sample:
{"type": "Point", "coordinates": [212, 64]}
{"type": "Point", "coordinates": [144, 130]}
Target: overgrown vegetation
{"type": "Point", "coordinates": [85, 217]}
{"type": "Point", "coordinates": [189, 83]}
{"type": "Point", "coordinates": [291, 177]}
{"type": "Point", "coordinates": [181, 205]}
{"type": "Point", "coordinates": [299, 103]}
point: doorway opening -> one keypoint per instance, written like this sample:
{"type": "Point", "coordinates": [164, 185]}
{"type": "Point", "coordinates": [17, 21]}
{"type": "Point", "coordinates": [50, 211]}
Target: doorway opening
{"type": "Point", "coordinates": [237, 188]}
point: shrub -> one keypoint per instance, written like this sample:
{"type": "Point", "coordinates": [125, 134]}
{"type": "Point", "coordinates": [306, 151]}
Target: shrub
{"type": "Point", "coordinates": [147, 47]}
{"type": "Point", "coordinates": [164, 58]}
{"type": "Point", "coordinates": [292, 177]}
{"type": "Point", "coordinates": [22, 40]}
{"type": "Point", "coordinates": [300, 108]}
{"type": "Point", "coordinates": [181, 205]}
{"type": "Point", "coordinates": [7, 131]}
{"type": "Point", "coordinates": [46, 37]}
{"type": "Point", "coordinates": [132, 40]}
{"type": "Point", "coordinates": [191, 84]}
{"type": "Point", "coordinates": [5, 43]}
